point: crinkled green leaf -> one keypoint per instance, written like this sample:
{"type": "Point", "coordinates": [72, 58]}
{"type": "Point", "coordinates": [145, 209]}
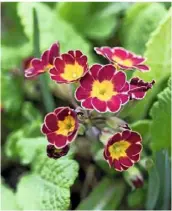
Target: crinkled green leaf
{"type": "Point", "coordinates": [161, 121]}
{"type": "Point", "coordinates": [107, 195]}
{"type": "Point", "coordinates": [141, 19]}
{"type": "Point", "coordinates": [8, 200]}
{"type": "Point", "coordinates": [52, 28]}
{"type": "Point", "coordinates": [48, 187]}
{"type": "Point", "coordinates": [158, 54]}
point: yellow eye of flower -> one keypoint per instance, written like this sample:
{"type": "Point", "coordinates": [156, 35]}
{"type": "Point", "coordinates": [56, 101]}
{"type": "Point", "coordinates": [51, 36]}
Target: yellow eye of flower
{"type": "Point", "coordinates": [118, 149]}
{"type": "Point", "coordinates": [72, 72]}
{"type": "Point", "coordinates": [103, 90]}
{"type": "Point", "coordinates": [66, 126]}
{"type": "Point", "coordinates": [126, 62]}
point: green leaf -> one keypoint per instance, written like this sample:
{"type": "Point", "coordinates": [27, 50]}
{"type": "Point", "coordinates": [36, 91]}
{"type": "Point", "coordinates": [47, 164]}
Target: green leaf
{"type": "Point", "coordinates": [12, 95]}
{"type": "Point", "coordinates": [136, 198]}
{"type": "Point", "coordinates": [160, 63]}
{"type": "Point", "coordinates": [140, 20]}
{"type": "Point", "coordinates": [153, 188]}
{"type": "Point", "coordinates": [161, 124]}
{"type": "Point", "coordinates": [99, 20]}
{"type": "Point", "coordinates": [8, 200]}
{"type": "Point", "coordinates": [107, 195]}
{"type": "Point", "coordinates": [52, 28]}
{"type": "Point", "coordinates": [48, 187]}
{"type": "Point", "coordinates": [164, 169]}
{"type": "Point", "coordinates": [29, 130]}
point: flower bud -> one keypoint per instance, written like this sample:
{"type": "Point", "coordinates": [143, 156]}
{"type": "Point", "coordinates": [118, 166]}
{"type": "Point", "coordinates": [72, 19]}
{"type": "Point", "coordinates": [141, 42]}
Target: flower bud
{"type": "Point", "coordinates": [53, 152]}
{"type": "Point", "coordinates": [134, 177]}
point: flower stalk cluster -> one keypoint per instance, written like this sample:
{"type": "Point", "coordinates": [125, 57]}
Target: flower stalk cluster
{"type": "Point", "coordinates": [100, 89]}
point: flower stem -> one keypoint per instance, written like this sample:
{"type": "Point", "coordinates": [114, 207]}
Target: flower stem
{"type": "Point", "coordinates": [43, 80]}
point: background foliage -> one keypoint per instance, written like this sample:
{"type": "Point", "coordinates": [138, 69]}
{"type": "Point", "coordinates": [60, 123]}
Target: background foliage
{"type": "Point", "coordinates": [82, 180]}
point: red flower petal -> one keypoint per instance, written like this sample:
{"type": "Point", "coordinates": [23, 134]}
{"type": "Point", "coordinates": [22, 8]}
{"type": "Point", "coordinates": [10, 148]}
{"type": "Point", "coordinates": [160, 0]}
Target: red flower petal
{"type": "Point", "coordinates": [104, 51]}
{"type": "Point", "coordinates": [95, 69]}
{"type": "Point", "coordinates": [134, 137]}
{"type": "Point", "coordinates": [125, 88]}
{"type": "Point", "coordinates": [135, 158]}
{"type": "Point", "coordinates": [142, 67]}
{"type": "Point", "coordinates": [106, 73]}
{"type": "Point", "coordinates": [37, 64]}
{"type": "Point", "coordinates": [81, 93]}
{"type": "Point", "coordinates": [72, 136]}
{"type": "Point", "coordinates": [138, 60]}
{"type": "Point", "coordinates": [134, 149]}
{"type": "Point", "coordinates": [82, 60]}
{"type": "Point", "coordinates": [126, 134]}
{"type": "Point", "coordinates": [114, 104]}
{"type": "Point", "coordinates": [119, 80]}
{"type": "Point", "coordinates": [116, 165]}
{"type": "Point", "coordinates": [86, 81]}
{"type": "Point", "coordinates": [124, 98]}
{"type": "Point", "coordinates": [58, 79]}
{"type": "Point", "coordinates": [59, 65]}
{"type": "Point", "coordinates": [59, 141]}
{"type": "Point", "coordinates": [54, 52]}
{"type": "Point", "coordinates": [51, 121]}
{"type": "Point", "coordinates": [125, 161]}
{"type": "Point", "coordinates": [30, 72]}
{"type": "Point", "coordinates": [120, 52]}
{"type": "Point", "coordinates": [117, 137]}
{"type": "Point", "coordinates": [45, 57]}
{"type": "Point", "coordinates": [65, 112]}
{"type": "Point", "coordinates": [45, 130]}
{"type": "Point", "coordinates": [87, 103]}
{"type": "Point", "coordinates": [57, 110]}
{"type": "Point", "coordinates": [68, 59]}
{"type": "Point", "coordinates": [99, 105]}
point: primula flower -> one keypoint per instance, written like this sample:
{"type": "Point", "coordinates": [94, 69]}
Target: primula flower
{"type": "Point", "coordinates": [53, 152]}
{"type": "Point", "coordinates": [39, 66]}
{"type": "Point", "coordinates": [103, 89]}
{"type": "Point", "coordinates": [60, 126]}
{"type": "Point", "coordinates": [138, 88]}
{"type": "Point", "coordinates": [69, 67]}
{"type": "Point", "coordinates": [123, 150]}
{"type": "Point", "coordinates": [122, 58]}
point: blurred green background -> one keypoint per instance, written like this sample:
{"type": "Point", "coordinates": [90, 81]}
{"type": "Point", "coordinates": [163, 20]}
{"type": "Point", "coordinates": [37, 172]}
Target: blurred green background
{"type": "Point", "coordinates": [31, 181]}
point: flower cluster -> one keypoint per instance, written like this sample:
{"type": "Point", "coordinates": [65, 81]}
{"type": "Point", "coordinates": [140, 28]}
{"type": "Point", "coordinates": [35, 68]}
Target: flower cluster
{"type": "Point", "coordinates": [103, 88]}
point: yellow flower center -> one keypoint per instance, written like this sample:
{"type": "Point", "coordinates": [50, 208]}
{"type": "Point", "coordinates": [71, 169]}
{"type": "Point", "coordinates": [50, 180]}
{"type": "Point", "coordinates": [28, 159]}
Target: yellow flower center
{"type": "Point", "coordinates": [72, 72]}
{"type": "Point", "coordinates": [118, 149]}
{"type": "Point", "coordinates": [126, 62]}
{"type": "Point", "coordinates": [66, 126]}
{"type": "Point", "coordinates": [46, 68]}
{"type": "Point", "coordinates": [103, 90]}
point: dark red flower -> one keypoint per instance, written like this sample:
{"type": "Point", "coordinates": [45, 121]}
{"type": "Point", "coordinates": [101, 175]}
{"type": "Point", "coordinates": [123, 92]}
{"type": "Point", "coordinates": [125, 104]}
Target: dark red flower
{"type": "Point", "coordinates": [123, 150]}
{"type": "Point", "coordinates": [69, 67]}
{"type": "Point", "coordinates": [60, 126]}
{"type": "Point", "coordinates": [27, 62]}
{"type": "Point", "coordinates": [139, 88]}
{"type": "Point", "coordinates": [39, 66]}
{"type": "Point", "coordinates": [55, 153]}
{"type": "Point", "coordinates": [123, 58]}
{"type": "Point", "coordinates": [103, 89]}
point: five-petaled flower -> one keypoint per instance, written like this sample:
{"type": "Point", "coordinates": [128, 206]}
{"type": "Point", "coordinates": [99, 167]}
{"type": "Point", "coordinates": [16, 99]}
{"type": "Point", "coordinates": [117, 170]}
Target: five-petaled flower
{"type": "Point", "coordinates": [69, 67]}
{"type": "Point", "coordinates": [123, 150]}
{"type": "Point", "coordinates": [39, 66]}
{"type": "Point", "coordinates": [122, 58]}
{"type": "Point", "coordinates": [103, 89]}
{"type": "Point", "coordinates": [60, 126]}
{"type": "Point", "coordinates": [138, 88]}
{"type": "Point", "coordinates": [55, 153]}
